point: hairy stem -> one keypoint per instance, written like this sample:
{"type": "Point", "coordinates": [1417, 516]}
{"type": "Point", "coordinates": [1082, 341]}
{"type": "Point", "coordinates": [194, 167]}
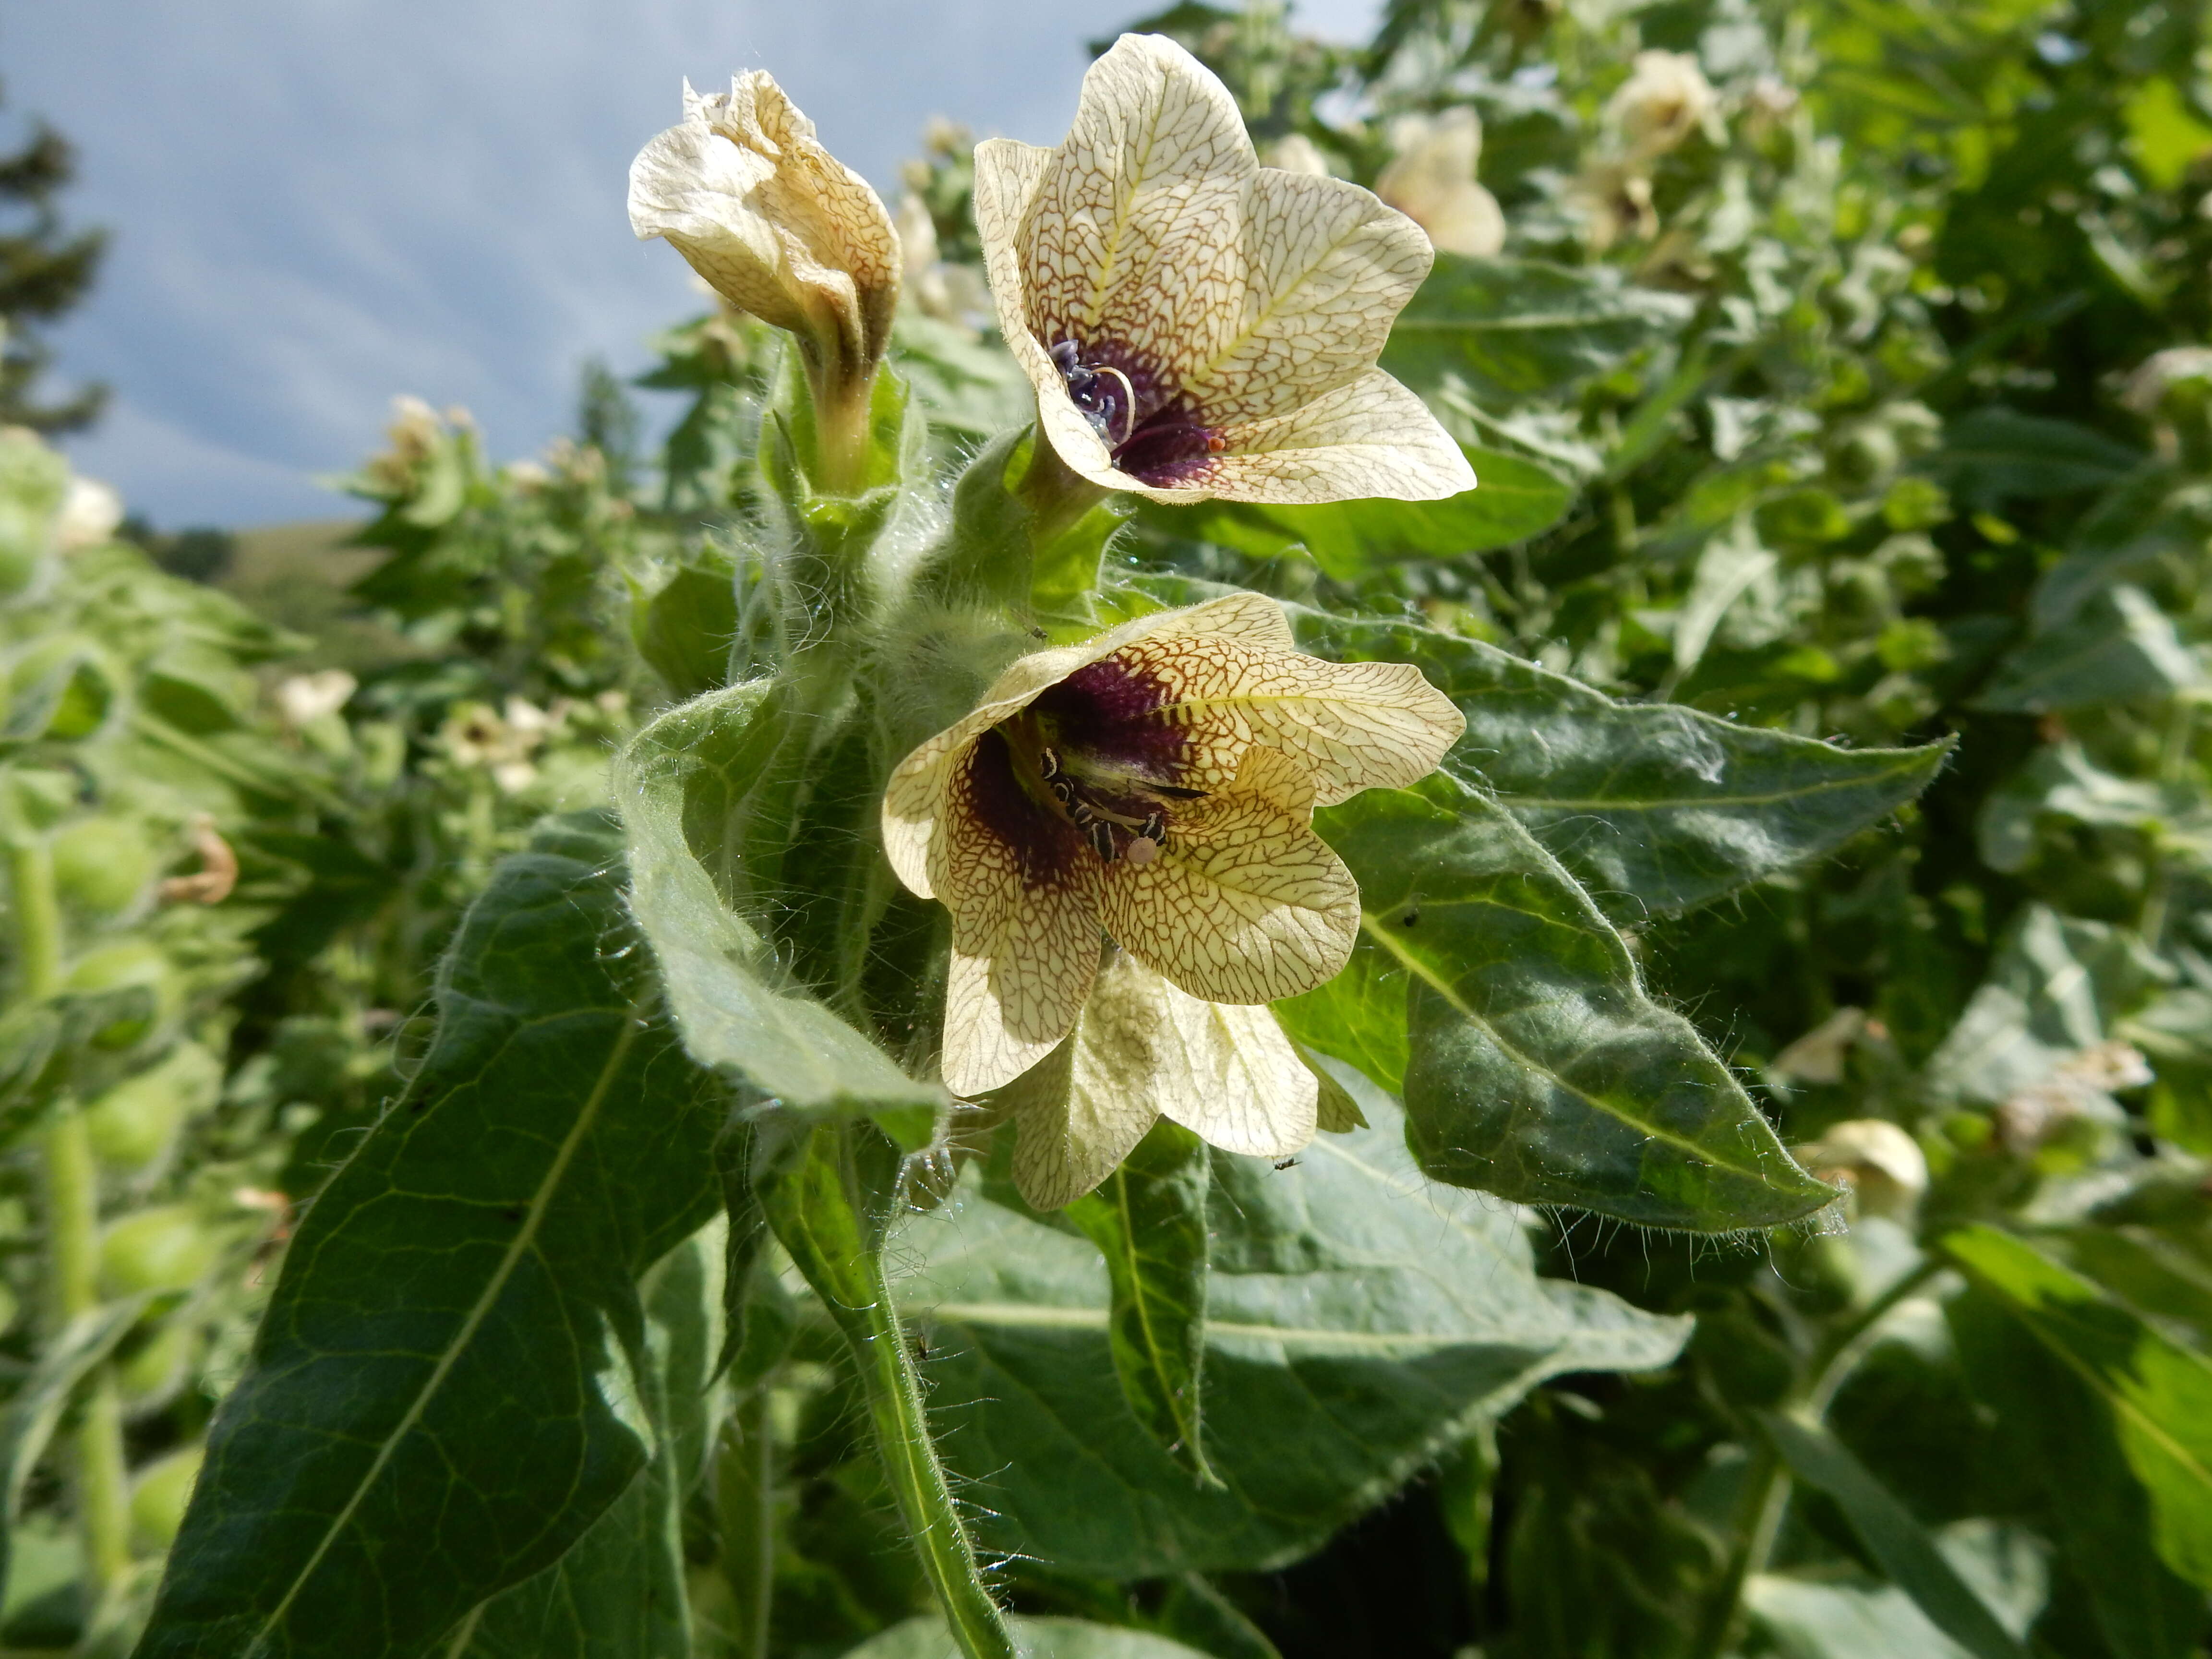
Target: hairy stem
{"type": "Point", "coordinates": [829, 1197]}
{"type": "Point", "coordinates": [70, 1178]}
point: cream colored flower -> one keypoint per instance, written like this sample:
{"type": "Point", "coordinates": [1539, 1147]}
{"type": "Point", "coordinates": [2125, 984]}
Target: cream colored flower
{"type": "Point", "coordinates": [305, 697]}
{"type": "Point", "coordinates": [1432, 181]}
{"type": "Point", "coordinates": [1142, 1050]}
{"type": "Point", "coordinates": [1298, 154]}
{"type": "Point", "coordinates": [479, 737]}
{"type": "Point", "coordinates": [1883, 1165]}
{"type": "Point", "coordinates": [779, 226]}
{"type": "Point", "coordinates": [1158, 783]}
{"type": "Point", "coordinates": [90, 514]}
{"type": "Point", "coordinates": [1665, 99]}
{"type": "Point", "coordinates": [1196, 324]}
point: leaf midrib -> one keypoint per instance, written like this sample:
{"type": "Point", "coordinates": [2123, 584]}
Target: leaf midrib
{"type": "Point", "coordinates": [1666, 803]}
{"type": "Point", "coordinates": [524, 1237]}
{"type": "Point", "coordinates": [1370, 921]}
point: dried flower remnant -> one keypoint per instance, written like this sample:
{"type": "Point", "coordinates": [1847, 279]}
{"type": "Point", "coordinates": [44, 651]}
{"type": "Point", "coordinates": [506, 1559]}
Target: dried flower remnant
{"type": "Point", "coordinates": [1883, 1165]}
{"type": "Point", "coordinates": [2080, 1084]}
{"type": "Point", "coordinates": [781, 228]}
{"type": "Point", "coordinates": [217, 874]}
{"type": "Point", "coordinates": [1142, 1050]}
{"type": "Point", "coordinates": [1432, 181]}
{"type": "Point", "coordinates": [1196, 325]}
{"type": "Point", "coordinates": [1158, 783]}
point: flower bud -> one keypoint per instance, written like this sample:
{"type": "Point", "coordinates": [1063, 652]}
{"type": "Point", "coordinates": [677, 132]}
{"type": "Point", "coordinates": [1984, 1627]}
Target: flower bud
{"type": "Point", "coordinates": [778, 226]}
{"type": "Point", "coordinates": [1660, 105]}
{"type": "Point", "coordinates": [1432, 183]}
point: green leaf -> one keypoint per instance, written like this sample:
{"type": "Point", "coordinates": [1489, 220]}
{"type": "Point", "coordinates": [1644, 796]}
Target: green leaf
{"type": "Point", "coordinates": [1823, 1614]}
{"type": "Point", "coordinates": [1516, 499]}
{"type": "Point", "coordinates": [446, 1391]}
{"type": "Point", "coordinates": [1148, 1220]}
{"type": "Point", "coordinates": [1516, 328]}
{"type": "Point", "coordinates": [1359, 1017]}
{"type": "Point", "coordinates": [2118, 647]}
{"type": "Point", "coordinates": [2053, 1426]}
{"type": "Point", "coordinates": [2056, 986]}
{"type": "Point", "coordinates": [36, 1409]}
{"type": "Point", "coordinates": [1358, 1320]}
{"type": "Point", "coordinates": [1538, 1068]}
{"type": "Point", "coordinates": [619, 1593]}
{"type": "Point", "coordinates": [2159, 1393]}
{"type": "Point", "coordinates": [1994, 455]}
{"type": "Point", "coordinates": [1891, 1535]}
{"type": "Point", "coordinates": [1036, 1638]}
{"type": "Point", "coordinates": [738, 1009]}
{"type": "Point", "coordinates": [1653, 806]}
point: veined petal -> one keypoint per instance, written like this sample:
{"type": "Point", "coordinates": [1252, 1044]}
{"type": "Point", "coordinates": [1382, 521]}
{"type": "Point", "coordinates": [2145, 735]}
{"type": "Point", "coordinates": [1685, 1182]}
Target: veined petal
{"type": "Point", "coordinates": [775, 223]}
{"type": "Point", "coordinates": [1352, 725]}
{"type": "Point", "coordinates": [1023, 956]}
{"type": "Point", "coordinates": [1326, 269]}
{"type": "Point", "coordinates": [1235, 1080]}
{"type": "Point", "coordinates": [1069, 1135]}
{"type": "Point", "coordinates": [1370, 437]}
{"type": "Point", "coordinates": [1133, 230]}
{"type": "Point", "coordinates": [1144, 1049]}
{"type": "Point", "coordinates": [691, 185]}
{"type": "Point", "coordinates": [912, 801]}
{"type": "Point", "coordinates": [1246, 904]}
{"type": "Point", "coordinates": [1007, 173]}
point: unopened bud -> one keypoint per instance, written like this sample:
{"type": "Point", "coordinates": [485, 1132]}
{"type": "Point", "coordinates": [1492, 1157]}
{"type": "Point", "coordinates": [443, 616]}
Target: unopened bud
{"type": "Point", "coordinates": [779, 226]}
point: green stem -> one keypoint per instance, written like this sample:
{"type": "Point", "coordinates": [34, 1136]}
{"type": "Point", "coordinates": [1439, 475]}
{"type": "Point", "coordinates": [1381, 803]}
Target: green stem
{"type": "Point", "coordinates": [746, 1495]}
{"type": "Point", "coordinates": [1766, 1488]}
{"type": "Point", "coordinates": [71, 1179]}
{"type": "Point", "coordinates": [829, 1198]}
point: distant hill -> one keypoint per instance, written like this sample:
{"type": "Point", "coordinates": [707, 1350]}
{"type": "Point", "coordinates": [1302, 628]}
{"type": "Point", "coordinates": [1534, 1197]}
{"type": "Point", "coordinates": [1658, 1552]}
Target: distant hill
{"type": "Point", "coordinates": [297, 575]}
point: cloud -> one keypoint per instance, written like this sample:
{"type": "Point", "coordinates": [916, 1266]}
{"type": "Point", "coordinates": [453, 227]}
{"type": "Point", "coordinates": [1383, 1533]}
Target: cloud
{"type": "Point", "coordinates": [319, 203]}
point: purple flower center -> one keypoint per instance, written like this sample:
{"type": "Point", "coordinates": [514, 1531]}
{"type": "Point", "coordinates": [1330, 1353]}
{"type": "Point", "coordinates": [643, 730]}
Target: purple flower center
{"type": "Point", "coordinates": [1092, 767]}
{"type": "Point", "coordinates": [1153, 431]}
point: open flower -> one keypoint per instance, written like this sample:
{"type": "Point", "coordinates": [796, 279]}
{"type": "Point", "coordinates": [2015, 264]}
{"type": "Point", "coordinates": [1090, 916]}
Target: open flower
{"type": "Point", "coordinates": [1196, 324]}
{"type": "Point", "coordinates": [778, 226]}
{"type": "Point", "coordinates": [1158, 782]}
{"type": "Point", "coordinates": [1432, 181]}
{"type": "Point", "coordinates": [1142, 1050]}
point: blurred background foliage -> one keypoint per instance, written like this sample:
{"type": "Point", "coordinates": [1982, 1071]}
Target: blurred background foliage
{"type": "Point", "coordinates": [1842, 367]}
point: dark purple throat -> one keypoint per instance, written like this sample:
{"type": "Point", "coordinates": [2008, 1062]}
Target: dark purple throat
{"type": "Point", "coordinates": [1151, 428]}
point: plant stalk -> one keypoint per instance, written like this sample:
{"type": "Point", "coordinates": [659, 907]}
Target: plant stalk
{"type": "Point", "coordinates": [829, 1199]}
{"type": "Point", "coordinates": [1766, 1489]}
{"type": "Point", "coordinates": [746, 1495]}
{"type": "Point", "coordinates": [70, 1176]}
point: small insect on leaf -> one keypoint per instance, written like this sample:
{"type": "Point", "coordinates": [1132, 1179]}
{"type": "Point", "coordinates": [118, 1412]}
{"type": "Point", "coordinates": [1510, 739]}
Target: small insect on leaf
{"type": "Point", "coordinates": [1286, 1163]}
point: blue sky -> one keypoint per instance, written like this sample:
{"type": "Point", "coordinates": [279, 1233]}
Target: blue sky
{"type": "Point", "coordinates": [319, 203]}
